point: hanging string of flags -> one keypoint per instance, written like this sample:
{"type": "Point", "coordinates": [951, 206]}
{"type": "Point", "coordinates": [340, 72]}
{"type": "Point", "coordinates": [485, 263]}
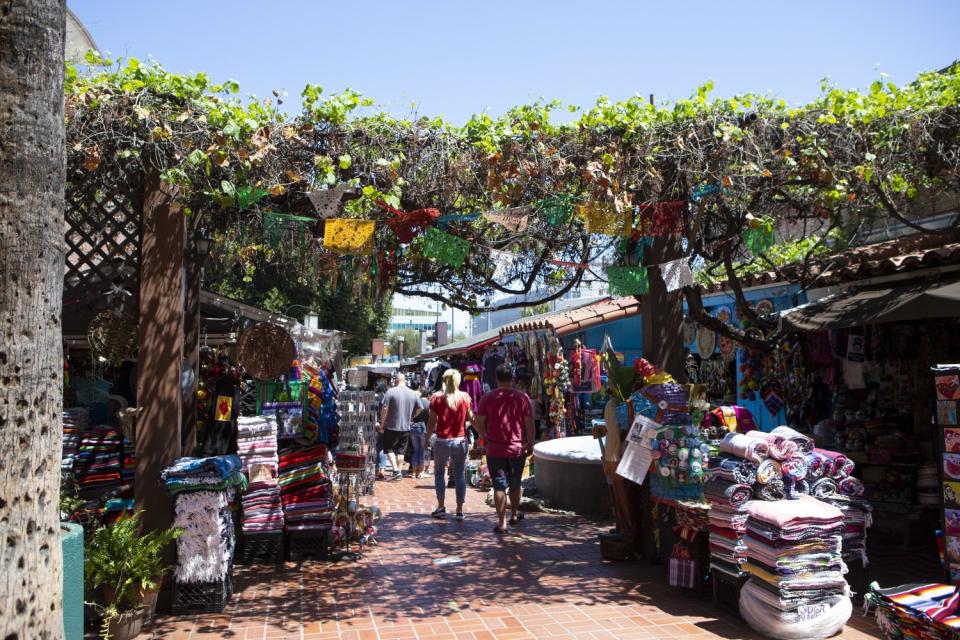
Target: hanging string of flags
{"type": "Point", "coordinates": [637, 226]}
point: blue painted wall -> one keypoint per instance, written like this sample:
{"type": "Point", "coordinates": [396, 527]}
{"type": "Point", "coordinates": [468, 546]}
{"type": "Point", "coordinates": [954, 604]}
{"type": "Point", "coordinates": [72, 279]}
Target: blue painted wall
{"type": "Point", "coordinates": [783, 297]}
{"type": "Point", "coordinates": [626, 335]}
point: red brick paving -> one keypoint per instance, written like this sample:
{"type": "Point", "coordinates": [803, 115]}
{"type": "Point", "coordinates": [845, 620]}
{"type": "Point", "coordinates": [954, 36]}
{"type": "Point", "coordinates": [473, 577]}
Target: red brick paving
{"type": "Point", "coordinates": [543, 580]}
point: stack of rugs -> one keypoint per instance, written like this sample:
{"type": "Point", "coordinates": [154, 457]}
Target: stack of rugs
{"type": "Point", "coordinates": [204, 489]}
{"type": "Point", "coordinates": [99, 461]}
{"type": "Point", "coordinates": [257, 441]}
{"type": "Point", "coordinates": [306, 489]}
{"type": "Point", "coordinates": [920, 611]}
{"type": "Point", "coordinates": [74, 422]}
{"type": "Point", "coordinates": [797, 588]}
{"type": "Point", "coordinates": [217, 473]}
{"type": "Point", "coordinates": [857, 518]}
{"type": "Point", "coordinates": [257, 447]}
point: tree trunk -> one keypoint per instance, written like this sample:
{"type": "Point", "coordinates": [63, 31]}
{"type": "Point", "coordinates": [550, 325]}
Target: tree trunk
{"type": "Point", "coordinates": [32, 178]}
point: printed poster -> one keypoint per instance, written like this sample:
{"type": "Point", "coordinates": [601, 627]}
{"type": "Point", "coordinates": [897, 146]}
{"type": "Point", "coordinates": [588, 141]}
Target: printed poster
{"type": "Point", "coordinates": [224, 408]}
{"type": "Point", "coordinates": [951, 466]}
{"type": "Point", "coordinates": [952, 548]}
{"type": "Point", "coordinates": [948, 387]}
{"type": "Point", "coordinates": [951, 495]}
{"type": "Point", "coordinates": [951, 518]}
{"type": "Point", "coordinates": [951, 440]}
{"type": "Point", "coordinates": [946, 412]}
{"type": "Point", "coordinates": [635, 463]}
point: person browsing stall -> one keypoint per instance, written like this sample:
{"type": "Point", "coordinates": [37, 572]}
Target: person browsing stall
{"type": "Point", "coordinates": [400, 405]}
{"type": "Point", "coordinates": [450, 409]}
{"type": "Point", "coordinates": [505, 423]}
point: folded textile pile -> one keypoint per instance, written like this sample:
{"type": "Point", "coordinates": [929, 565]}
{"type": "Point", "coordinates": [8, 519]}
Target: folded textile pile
{"type": "Point", "coordinates": [306, 489]}
{"type": "Point", "coordinates": [857, 518]}
{"type": "Point", "coordinates": [262, 507]}
{"type": "Point", "coordinates": [917, 611]}
{"type": "Point", "coordinates": [99, 461]}
{"type": "Point", "coordinates": [75, 421]}
{"type": "Point", "coordinates": [204, 489]}
{"type": "Point", "coordinates": [830, 473]}
{"type": "Point", "coordinates": [793, 557]}
{"type": "Point", "coordinates": [257, 441]}
{"type": "Point", "coordinates": [216, 473]}
{"type": "Point", "coordinates": [205, 548]}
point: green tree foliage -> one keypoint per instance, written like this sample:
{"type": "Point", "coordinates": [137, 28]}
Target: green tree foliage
{"type": "Point", "coordinates": [411, 346]}
{"type": "Point", "coordinates": [830, 169]}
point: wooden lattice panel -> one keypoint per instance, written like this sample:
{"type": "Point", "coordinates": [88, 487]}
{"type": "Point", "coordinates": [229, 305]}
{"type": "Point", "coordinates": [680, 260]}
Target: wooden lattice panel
{"type": "Point", "coordinates": [102, 235]}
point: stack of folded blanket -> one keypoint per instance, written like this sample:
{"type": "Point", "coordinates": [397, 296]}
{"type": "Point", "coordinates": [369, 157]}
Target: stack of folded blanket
{"type": "Point", "coordinates": [306, 489]}
{"type": "Point", "coordinates": [917, 610]}
{"type": "Point", "coordinates": [74, 422]}
{"type": "Point", "coordinates": [204, 489]}
{"type": "Point", "coordinates": [793, 557]}
{"type": "Point", "coordinates": [216, 473]}
{"type": "Point", "coordinates": [128, 471]}
{"type": "Point", "coordinates": [99, 461]}
{"type": "Point", "coordinates": [262, 508]}
{"type": "Point", "coordinates": [205, 548]}
{"type": "Point", "coordinates": [257, 441]}
{"type": "Point", "coordinates": [784, 464]}
{"type": "Point", "coordinates": [857, 518]}
{"type": "Point", "coordinates": [728, 503]}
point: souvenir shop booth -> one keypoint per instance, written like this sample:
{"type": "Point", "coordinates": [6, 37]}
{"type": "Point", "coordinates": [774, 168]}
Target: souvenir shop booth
{"type": "Point", "coordinates": [776, 518]}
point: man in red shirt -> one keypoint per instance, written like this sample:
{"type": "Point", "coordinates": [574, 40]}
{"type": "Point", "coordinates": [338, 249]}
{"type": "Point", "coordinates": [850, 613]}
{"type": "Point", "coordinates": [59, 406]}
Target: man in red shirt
{"type": "Point", "coordinates": [505, 422]}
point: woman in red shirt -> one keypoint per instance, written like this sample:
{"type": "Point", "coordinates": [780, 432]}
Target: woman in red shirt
{"type": "Point", "coordinates": [450, 409]}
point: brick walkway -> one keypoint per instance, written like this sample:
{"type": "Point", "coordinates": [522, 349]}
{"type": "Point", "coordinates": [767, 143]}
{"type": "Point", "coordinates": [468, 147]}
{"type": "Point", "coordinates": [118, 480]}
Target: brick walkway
{"type": "Point", "coordinates": [544, 580]}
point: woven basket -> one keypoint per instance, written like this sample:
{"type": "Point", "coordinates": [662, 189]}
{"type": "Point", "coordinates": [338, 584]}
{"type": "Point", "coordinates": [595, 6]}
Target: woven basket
{"type": "Point", "coordinates": [112, 336]}
{"type": "Point", "coordinates": [266, 351]}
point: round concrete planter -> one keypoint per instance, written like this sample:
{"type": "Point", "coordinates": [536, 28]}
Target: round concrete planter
{"type": "Point", "coordinates": [569, 474]}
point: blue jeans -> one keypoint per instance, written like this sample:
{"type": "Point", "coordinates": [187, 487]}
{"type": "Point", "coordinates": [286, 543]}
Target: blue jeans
{"type": "Point", "coordinates": [456, 452]}
{"type": "Point", "coordinates": [418, 437]}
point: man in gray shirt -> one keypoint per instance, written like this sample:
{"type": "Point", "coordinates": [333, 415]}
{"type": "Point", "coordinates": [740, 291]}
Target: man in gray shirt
{"type": "Point", "coordinates": [397, 409]}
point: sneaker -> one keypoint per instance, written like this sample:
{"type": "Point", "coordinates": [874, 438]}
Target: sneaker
{"type": "Point", "coordinates": [458, 517]}
{"type": "Point", "coordinates": [397, 476]}
{"type": "Point", "coordinates": [439, 513]}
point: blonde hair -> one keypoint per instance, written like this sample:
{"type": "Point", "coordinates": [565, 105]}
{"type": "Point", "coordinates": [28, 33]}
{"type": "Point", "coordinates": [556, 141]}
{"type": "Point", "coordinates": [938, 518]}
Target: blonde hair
{"type": "Point", "coordinates": [451, 388]}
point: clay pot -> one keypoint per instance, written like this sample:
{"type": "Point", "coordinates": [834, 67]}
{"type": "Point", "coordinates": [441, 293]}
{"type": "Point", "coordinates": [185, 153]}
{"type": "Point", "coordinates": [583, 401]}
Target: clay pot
{"type": "Point", "coordinates": [126, 626]}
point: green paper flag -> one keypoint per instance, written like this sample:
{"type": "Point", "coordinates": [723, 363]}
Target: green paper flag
{"type": "Point", "coordinates": [628, 281]}
{"type": "Point", "coordinates": [445, 248]}
{"type": "Point", "coordinates": [759, 240]}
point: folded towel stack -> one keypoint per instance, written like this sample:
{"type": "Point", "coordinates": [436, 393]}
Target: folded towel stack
{"type": "Point", "coordinates": [306, 490]}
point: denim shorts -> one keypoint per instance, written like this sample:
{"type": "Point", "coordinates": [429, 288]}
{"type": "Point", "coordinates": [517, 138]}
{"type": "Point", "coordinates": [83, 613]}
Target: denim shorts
{"type": "Point", "coordinates": [506, 473]}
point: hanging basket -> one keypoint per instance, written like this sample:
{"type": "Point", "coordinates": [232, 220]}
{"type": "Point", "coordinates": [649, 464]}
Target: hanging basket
{"type": "Point", "coordinates": [113, 336]}
{"type": "Point", "coordinates": [603, 218]}
{"type": "Point", "coordinates": [628, 281]}
{"type": "Point", "coordinates": [266, 350]}
{"type": "Point", "coordinates": [445, 248]}
{"type": "Point", "coordinates": [349, 236]}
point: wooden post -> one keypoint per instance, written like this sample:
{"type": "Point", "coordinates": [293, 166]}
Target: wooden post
{"type": "Point", "coordinates": [191, 345]}
{"type": "Point", "coordinates": [161, 349]}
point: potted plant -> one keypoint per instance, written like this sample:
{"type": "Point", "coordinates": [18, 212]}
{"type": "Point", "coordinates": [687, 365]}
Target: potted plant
{"type": "Point", "coordinates": [126, 567]}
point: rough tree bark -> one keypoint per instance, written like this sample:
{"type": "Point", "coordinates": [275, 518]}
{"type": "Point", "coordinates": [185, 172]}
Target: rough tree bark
{"type": "Point", "coordinates": [32, 178]}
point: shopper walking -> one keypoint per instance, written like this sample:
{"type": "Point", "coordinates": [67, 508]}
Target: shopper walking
{"type": "Point", "coordinates": [418, 437]}
{"type": "Point", "coordinates": [505, 423]}
{"type": "Point", "coordinates": [399, 406]}
{"type": "Point", "coordinates": [449, 412]}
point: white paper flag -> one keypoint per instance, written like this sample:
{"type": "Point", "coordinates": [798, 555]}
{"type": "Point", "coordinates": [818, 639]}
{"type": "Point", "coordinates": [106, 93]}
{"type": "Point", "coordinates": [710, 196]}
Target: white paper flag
{"type": "Point", "coordinates": [677, 274]}
{"type": "Point", "coordinates": [505, 263]}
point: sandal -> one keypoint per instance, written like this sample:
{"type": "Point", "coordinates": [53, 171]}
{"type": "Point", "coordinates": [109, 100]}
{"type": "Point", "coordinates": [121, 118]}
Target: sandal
{"type": "Point", "coordinates": [517, 518]}
{"type": "Point", "coordinates": [499, 530]}
{"type": "Point", "coordinates": [439, 512]}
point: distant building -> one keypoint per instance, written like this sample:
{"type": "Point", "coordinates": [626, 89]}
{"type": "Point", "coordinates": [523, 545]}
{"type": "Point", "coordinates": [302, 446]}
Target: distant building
{"type": "Point", "coordinates": [586, 292]}
{"type": "Point", "coordinates": [79, 40]}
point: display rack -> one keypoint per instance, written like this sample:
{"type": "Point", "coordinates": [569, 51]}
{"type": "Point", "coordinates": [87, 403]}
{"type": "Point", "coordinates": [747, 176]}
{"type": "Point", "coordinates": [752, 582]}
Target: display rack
{"type": "Point", "coordinates": [358, 433]}
{"type": "Point", "coordinates": [946, 397]}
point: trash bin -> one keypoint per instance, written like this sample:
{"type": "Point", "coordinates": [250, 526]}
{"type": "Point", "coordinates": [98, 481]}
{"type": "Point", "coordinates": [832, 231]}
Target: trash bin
{"type": "Point", "coordinates": [71, 542]}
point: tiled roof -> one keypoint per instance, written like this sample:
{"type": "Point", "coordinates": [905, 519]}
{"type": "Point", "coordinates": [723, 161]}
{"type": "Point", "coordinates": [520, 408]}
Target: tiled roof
{"type": "Point", "coordinates": [572, 320]}
{"type": "Point", "coordinates": [883, 258]}
{"type": "Point", "coordinates": [462, 346]}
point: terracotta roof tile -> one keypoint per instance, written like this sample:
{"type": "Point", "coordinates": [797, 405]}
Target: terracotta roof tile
{"type": "Point", "coordinates": [570, 321]}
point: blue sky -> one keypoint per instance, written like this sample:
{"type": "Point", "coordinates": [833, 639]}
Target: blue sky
{"type": "Point", "coordinates": [455, 58]}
